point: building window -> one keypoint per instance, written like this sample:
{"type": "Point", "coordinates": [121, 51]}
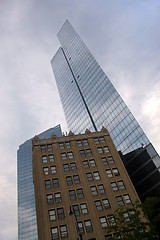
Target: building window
{"type": "Point", "coordinates": [80, 226]}
{"type": "Point", "coordinates": [92, 163]}
{"type": "Point", "coordinates": [72, 194]}
{"type": "Point", "coordinates": [98, 205]}
{"type": "Point", "coordinates": [110, 160]}
{"type": "Point", "coordinates": [69, 180]}
{"type": "Point", "coordinates": [89, 176]}
{"type": "Point", "coordinates": [126, 217]}
{"type": "Point", "coordinates": [114, 186]}
{"type": "Point", "coordinates": [63, 231]}
{"type": "Point", "coordinates": [88, 225]}
{"type": "Point", "coordinates": [96, 175]}
{"type": "Point", "coordinates": [49, 147]}
{"type": "Point", "coordinates": [85, 142]}
{"type": "Point", "coordinates": [43, 148]}
{"type": "Point", "coordinates": [51, 158]}
{"type": "Point", "coordinates": [96, 140]}
{"type": "Point", "coordinates": [102, 139]}
{"type": "Point", "coordinates": [46, 170]}
{"type": "Point", "coordinates": [70, 155]}
{"type": "Point", "coordinates": [53, 169]}
{"type": "Point", "coordinates": [49, 198]}
{"type": "Point", "coordinates": [76, 210]}
{"type": "Point", "coordinates": [121, 185]}
{"type": "Point", "coordinates": [111, 220]}
{"type": "Point", "coordinates": [106, 203]}
{"type": "Point", "coordinates": [85, 164]}
{"type": "Point", "coordinates": [73, 166]}
{"type": "Point", "coordinates": [109, 173]}
{"type": "Point", "coordinates": [61, 145]}
{"type": "Point", "coordinates": [63, 156]}
{"type": "Point", "coordinates": [127, 199]}
{"type": "Point", "coordinates": [54, 233]}
{"type": "Point", "coordinates": [115, 171]}
{"type": "Point", "coordinates": [94, 190]}
{"type": "Point", "coordinates": [84, 209]}
{"type": "Point", "coordinates": [66, 167]}
{"type": "Point", "coordinates": [101, 189]}
{"type": "Point", "coordinates": [68, 145]}
{"type": "Point", "coordinates": [106, 149]}
{"type": "Point", "coordinates": [79, 143]}
{"type": "Point", "coordinates": [55, 182]}
{"type": "Point", "coordinates": [120, 200]}
{"type": "Point", "coordinates": [48, 184]}
{"type": "Point", "coordinates": [44, 159]}
{"type": "Point", "coordinates": [60, 213]}
{"type": "Point", "coordinates": [57, 197]}
{"type": "Point", "coordinates": [104, 161]}
{"type": "Point", "coordinates": [76, 179]}
{"type": "Point", "coordinates": [103, 222]}
{"type": "Point", "coordinates": [82, 153]}
{"type": "Point", "coordinates": [100, 150]}
{"type": "Point", "coordinates": [80, 193]}
{"type": "Point", "coordinates": [89, 152]}
{"type": "Point", "coordinates": [52, 214]}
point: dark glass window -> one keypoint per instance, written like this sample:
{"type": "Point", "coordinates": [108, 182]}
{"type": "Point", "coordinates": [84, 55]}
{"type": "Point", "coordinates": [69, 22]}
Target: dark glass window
{"type": "Point", "coordinates": [54, 233]}
{"type": "Point", "coordinates": [121, 185]}
{"type": "Point", "coordinates": [109, 173]}
{"type": "Point", "coordinates": [49, 198]}
{"type": "Point", "coordinates": [49, 147]}
{"type": "Point", "coordinates": [57, 197]}
{"type": "Point", "coordinates": [66, 167]}
{"type": "Point", "coordinates": [79, 143]}
{"type": "Point", "coordinates": [84, 209]}
{"type": "Point", "coordinates": [76, 179]}
{"type": "Point", "coordinates": [96, 175]}
{"type": "Point", "coordinates": [120, 200]}
{"type": "Point", "coordinates": [68, 145]}
{"type": "Point", "coordinates": [106, 149]}
{"type": "Point", "coordinates": [80, 226]}
{"type": "Point", "coordinates": [76, 210]}
{"type": "Point", "coordinates": [100, 150]}
{"type": "Point", "coordinates": [102, 139]}
{"type": "Point", "coordinates": [98, 205]}
{"type": "Point", "coordinates": [72, 194]}
{"type": "Point", "coordinates": [80, 193]}
{"type": "Point", "coordinates": [85, 164]}
{"type": "Point", "coordinates": [85, 142]}
{"type": "Point", "coordinates": [114, 186]}
{"type": "Point", "coordinates": [88, 225]}
{"type": "Point", "coordinates": [70, 155]}
{"type": "Point", "coordinates": [69, 180]}
{"type": "Point", "coordinates": [63, 156]}
{"type": "Point", "coordinates": [55, 182]}
{"type": "Point", "coordinates": [73, 166]}
{"type": "Point", "coordinates": [106, 203]}
{"type": "Point", "coordinates": [48, 184]}
{"type": "Point", "coordinates": [127, 199]}
{"type": "Point", "coordinates": [52, 214]}
{"type": "Point", "coordinates": [51, 158]}
{"type": "Point", "coordinates": [82, 153]}
{"type": "Point", "coordinates": [96, 140]}
{"type": "Point", "coordinates": [89, 176]}
{"type": "Point", "coordinates": [60, 213]}
{"type": "Point", "coordinates": [63, 231]}
{"type": "Point", "coordinates": [43, 148]}
{"type": "Point", "coordinates": [111, 220]}
{"type": "Point", "coordinates": [103, 222]}
{"type": "Point", "coordinates": [61, 145]}
{"type": "Point", "coordinates": [53, 169]}
{"type": "Point", "coordinates": [110, 160]}
{"type": "Point", "coordinates": [104, 161]}
{"type": "Point", "coordinates": [94, 190]}
{"type": "Point", "coordinates": [115, 171]}
{"type": "Point", "coordinates": [101, 189]}
{"type": "Point", "coordinates": [44, 159]}
{"type": "Point", "coordinates": [92, 163]}
{"type": "Point", "coordinates": [89, 152]}
{"type": "Point", "coordinates": [46, 170]}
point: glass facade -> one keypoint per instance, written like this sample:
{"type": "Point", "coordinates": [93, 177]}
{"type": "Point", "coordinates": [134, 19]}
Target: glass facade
{"type": "Point", "coordinates": [27, 223]}
{"type": "Point", "coordinates": [90, 100]}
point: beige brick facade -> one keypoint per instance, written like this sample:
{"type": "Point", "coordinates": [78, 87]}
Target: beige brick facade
{"type": "Point", "coordinates": [83, 171]}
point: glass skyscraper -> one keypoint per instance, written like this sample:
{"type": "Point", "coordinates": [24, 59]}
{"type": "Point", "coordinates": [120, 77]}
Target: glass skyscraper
{"type": "Point", "coordinates": [90, 101]}
{"type": "Point", "coordinates": [27, 223]}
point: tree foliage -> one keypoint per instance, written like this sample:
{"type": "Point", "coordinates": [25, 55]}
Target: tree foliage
{"type": "Point", "coordinates": [132, 224]}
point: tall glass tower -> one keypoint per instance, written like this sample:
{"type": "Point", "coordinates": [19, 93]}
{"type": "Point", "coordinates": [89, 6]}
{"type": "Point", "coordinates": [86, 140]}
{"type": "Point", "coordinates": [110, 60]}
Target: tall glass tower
{"type": "Point", "coordinates": [90, 101]}
{"type": "Point", "coordinates": [27, 223]}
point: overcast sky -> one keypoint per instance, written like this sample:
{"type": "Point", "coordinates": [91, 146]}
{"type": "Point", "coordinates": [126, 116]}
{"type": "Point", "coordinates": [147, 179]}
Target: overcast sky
{"type": "Point", "coordinates": [124, 37]}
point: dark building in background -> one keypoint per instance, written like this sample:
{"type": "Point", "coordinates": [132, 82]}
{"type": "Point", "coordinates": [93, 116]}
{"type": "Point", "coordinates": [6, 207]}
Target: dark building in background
{"type": "Point", "coordinates": [90, 101]}
{"type": "Point", "coordinates": [27, 222]}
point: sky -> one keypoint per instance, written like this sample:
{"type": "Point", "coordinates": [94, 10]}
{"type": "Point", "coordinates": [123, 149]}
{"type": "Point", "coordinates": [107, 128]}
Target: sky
{"type": "Point", "coordinates": [123, 36]}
